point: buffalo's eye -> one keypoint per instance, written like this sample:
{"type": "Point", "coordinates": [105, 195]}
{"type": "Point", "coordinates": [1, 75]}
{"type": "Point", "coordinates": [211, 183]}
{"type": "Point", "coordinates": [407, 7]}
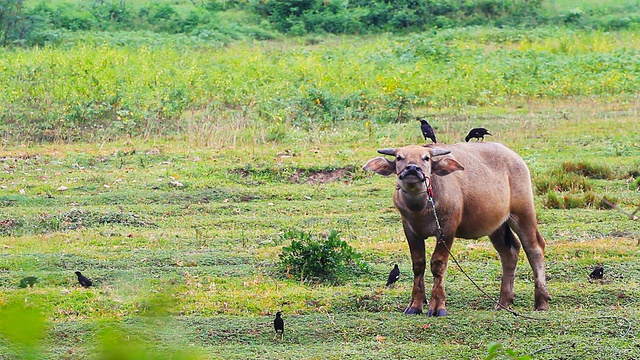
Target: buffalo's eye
{"type": "Point", "coordinates": [399, 157]}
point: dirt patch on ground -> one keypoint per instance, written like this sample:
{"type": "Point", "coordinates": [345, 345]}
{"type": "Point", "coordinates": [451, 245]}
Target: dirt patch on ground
{"type": "Point", "coordinates": [240, 172]}
{"type": "Point", "coordinates": [298, 176]}
{"type": "Point", "coordinates": [320, 176]}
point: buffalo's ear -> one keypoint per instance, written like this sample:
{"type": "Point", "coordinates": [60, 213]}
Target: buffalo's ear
{"type": "Point", "coordinates": [445, 166]}
{"type": "Point", "coordinates": [381, 165]}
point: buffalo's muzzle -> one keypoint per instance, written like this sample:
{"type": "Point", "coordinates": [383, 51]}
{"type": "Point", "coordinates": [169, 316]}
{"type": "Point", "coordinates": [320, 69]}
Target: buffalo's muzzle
{"type": "Point", "coordinates": [411, 170]}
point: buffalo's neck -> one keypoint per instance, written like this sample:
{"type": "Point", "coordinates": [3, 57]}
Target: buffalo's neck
{"type": "Point", "coordinates": [417, 213]}
{"type": "Point", "coordinates": [414, 202]}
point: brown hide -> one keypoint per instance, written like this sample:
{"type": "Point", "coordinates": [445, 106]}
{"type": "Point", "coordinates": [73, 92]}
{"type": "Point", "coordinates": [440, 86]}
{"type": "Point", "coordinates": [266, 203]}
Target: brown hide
{"type": "Point", "coordinates": [480, 189]}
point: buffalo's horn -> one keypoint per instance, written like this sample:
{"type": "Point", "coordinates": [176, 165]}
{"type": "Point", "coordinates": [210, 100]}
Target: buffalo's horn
{"type": "Point", "coordinates": [388, 151]}
{"type": "Point", "coordinates": [438, 152]}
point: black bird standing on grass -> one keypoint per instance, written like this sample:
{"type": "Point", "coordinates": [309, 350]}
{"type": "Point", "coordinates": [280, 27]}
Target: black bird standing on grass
{"type": "Point", "coordinates": [278, 325]}
{"type": "Point", "coordinates": [394, 275]}
{"type": "Point", "coordinates": [427, 130]}
{"type": "Point", "coordinates": [477, 133]}
{"type": "Point", "coordinates": [83, 280]}
{"type": "Point", "coordinates": [597, 273]}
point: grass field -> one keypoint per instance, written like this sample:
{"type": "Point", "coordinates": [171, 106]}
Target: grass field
{"type": "Point", "coordinates": [192, 270]}
{"type": "Point", "coordinates": [168, 169]}
{"type": "Point", "coordinates": [114, 84]}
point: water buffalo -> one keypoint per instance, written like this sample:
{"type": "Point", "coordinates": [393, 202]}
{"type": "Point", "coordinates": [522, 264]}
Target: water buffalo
{"type": "Point", "coordinates": [479, 189]}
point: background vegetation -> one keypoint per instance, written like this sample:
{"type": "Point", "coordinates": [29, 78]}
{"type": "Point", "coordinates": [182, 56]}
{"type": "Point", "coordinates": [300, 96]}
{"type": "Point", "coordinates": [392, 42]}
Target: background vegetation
{"type": "Point", "coordinates": [173, 151]}
{"type": "Point", "coordinates": [41, 22]}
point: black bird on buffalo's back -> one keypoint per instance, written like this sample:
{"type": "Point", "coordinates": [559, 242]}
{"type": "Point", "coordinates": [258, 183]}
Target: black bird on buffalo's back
{"type": "Point", "coordinates": [427, 130]}
{"type": "Point", "coordinates": [394, 275]}
{"type": "Point", "coordinates": [477, 133]}
{"type": "Point", "coordinates": [278, 325]}
{"type": "Point", "coordinates": [597, 273]}
{"type": "Point", "coordinates": [83, 280]}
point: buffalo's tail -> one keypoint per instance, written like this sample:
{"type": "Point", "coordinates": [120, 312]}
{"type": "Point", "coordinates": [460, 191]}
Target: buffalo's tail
{"type": "Point", "coordinates": [509, 238]}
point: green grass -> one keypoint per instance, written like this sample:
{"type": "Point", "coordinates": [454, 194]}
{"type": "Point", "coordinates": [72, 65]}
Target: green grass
{"type": "Point", "coordinates": [111, 85]}
{"type": "Point", "coordinates": [192, 270]}
{"type": "Point", "coordinates": [168, 168]}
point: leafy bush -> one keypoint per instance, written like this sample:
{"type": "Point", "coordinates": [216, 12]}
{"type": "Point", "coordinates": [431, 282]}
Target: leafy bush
{"type": "Point", "coordinates": [311, 259]}
{"type": "Point", "coordinates": [295, 17]}
{"type": "Point", "coordinates": [12, 21]}
{"type": "Point", "coordinates": [374, 16]}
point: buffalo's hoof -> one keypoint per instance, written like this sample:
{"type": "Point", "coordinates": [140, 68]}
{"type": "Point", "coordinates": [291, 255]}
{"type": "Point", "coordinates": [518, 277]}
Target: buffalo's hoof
{"type": "Point", "coordinates": [413, 311]}
{"type": "Point", "coordinates": [441, 312]}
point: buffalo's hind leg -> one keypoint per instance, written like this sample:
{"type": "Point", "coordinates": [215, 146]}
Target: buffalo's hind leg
{"type": "Point", "coordinates": [533, 245]}
{"type": "Point", "coordinates": [508, 247]}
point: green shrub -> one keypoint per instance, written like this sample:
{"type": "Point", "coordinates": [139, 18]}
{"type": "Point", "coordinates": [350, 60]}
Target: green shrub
{"type": "Point", "coordinates": [12, 21]}
{"type": "Point", "coordinates": [374, 16]}
{"type": "Point", "coordinates": [318, 260]}
{"type": "Point", "coordinates": [162, 18]}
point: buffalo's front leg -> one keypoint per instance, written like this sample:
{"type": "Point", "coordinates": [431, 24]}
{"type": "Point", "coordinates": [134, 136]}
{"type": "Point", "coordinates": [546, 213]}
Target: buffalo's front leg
{"type": "Point", "coordinates": [418, 258]}
{"type": "Point", "coordinates": [439, 258]}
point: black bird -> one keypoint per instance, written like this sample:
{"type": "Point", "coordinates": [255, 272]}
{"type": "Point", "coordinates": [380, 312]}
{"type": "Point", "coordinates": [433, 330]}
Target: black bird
{"type": "Point", "coordinates": [394, 275]}
{"type": "Point", "coordinates": [597, 273]}
{"type": "Point", "coordinates": [83, 280]}
{"type": "Point", "coordinates": [278, 325]}
{"type": "Point", "coordinates": [477, 133]}
{"type": "Point", "coordinates": [427, 130]}
{"type": "Point", "coordinates": [29, 280]}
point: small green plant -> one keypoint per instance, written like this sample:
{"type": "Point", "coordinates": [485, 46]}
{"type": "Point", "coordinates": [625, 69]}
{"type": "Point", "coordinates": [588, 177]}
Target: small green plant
{"type": "Point", "coordinates": [497, 349]}
{"type": "Point", "coordinates": [311, 259]}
